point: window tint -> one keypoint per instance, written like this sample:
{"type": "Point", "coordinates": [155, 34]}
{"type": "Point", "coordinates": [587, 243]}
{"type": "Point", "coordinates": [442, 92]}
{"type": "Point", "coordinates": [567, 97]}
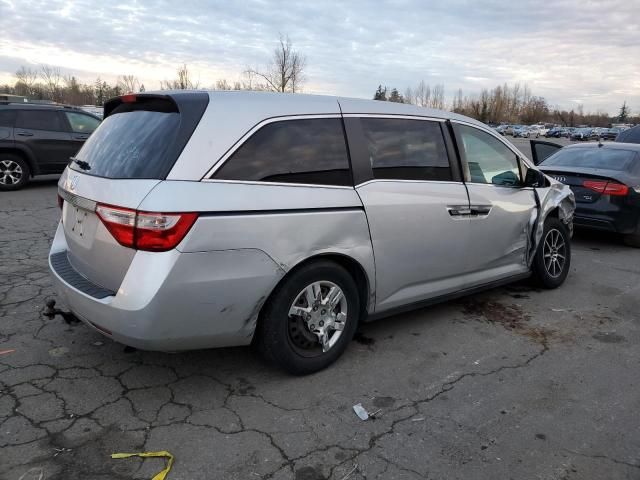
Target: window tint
{"type": "Point", "coordinates": [7, 117]}
{"type": "Point", "coordinates": [603, 158]}
{"type": "Point", "coordinates": [406, 149]}
{"type": "Point", "coordinates": [39, 120]}
{"type": "Point", "coordinates": [81, 123]}
{"type": "Point", "coordinates": [292, 151]}
{"type": "Point", "coordinates": [488, 159]}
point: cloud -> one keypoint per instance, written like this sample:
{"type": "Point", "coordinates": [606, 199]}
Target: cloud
{"type": "Point", "coordinates": [569, 52]}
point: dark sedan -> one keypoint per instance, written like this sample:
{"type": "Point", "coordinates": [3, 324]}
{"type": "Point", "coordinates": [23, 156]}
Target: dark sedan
{"type": "Point", "coordinates": [605, 180]}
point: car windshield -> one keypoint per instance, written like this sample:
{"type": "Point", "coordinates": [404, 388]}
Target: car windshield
{"type": "Point", "coordinates": [600, 158]}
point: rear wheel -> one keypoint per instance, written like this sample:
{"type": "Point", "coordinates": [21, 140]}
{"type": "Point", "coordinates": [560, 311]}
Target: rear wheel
{"type": "Point", "coordinates": [633, 240]}
{"type": "Point", "coordinates": [553, 258]}
{"type": "Point", "coordinates": [310, 318]}
{"type": "Point", "coordinates": [14, 172]}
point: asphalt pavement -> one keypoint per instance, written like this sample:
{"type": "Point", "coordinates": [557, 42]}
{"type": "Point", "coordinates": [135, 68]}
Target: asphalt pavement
{"type": "Point", "coordinates": [513, 383]}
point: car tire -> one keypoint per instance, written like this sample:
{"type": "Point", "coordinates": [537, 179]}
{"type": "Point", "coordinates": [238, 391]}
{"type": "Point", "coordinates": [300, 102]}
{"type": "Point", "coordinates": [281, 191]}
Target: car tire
{"type": "Point", "coordinates": [633, 239]}
{"type": "Point", "coordinates": [287, 339]}
{"type": "Point", "coordinates": [14, 172]}
{"type": "Point", "coordinates": [553, 258]}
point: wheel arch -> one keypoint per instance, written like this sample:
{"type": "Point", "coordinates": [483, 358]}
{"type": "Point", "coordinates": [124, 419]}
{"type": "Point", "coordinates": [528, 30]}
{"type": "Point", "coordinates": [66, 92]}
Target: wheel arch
{"type": "Point", "coordinates": [25, 154]}
{"type": "Point", "coordinates": [353, 266]}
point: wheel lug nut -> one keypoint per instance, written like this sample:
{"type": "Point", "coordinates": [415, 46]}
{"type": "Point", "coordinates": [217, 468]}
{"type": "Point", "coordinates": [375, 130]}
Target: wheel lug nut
{"type": "Point", "coordinates": [321, 323]}
{"type": "Point", "coordinates": [315, 309]}
{"type": "Point", "coordinates": [312, 326]}
{"type": "Point", "coordinates": [323, 312]}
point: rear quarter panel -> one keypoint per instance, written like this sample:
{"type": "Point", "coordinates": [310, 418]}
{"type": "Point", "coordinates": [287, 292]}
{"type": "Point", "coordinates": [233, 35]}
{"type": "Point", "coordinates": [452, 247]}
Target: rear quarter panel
{"type": "Point", "coordinates": [289, 223]}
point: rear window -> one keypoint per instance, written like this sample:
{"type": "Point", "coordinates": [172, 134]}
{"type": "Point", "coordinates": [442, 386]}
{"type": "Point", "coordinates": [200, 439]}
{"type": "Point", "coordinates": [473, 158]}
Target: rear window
{"type": "Point", "coordinates": [601, 158]}
{"type": "Point", "coordinates": [142, 139]}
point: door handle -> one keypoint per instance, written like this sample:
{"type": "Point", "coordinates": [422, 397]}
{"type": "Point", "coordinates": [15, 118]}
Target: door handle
{"type": "Point", "coordinates": [24, 134]}
{"type": "Point", "coordinates": [459, 211]}
{"type": "Point", "coordinates": [480, 209]}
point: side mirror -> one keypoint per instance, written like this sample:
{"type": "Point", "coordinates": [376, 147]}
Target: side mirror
{"type": "Point", "coordinates": [535, 178]}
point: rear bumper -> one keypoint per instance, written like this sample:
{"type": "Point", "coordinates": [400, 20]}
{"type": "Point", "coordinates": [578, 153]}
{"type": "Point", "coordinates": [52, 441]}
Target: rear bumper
{"type": "Point", "coordinates": [624, 221]}
{"type": "Point", "coordinates": [173, 301]}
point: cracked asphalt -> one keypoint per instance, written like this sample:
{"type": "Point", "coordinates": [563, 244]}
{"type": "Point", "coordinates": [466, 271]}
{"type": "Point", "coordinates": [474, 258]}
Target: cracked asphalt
{"type": "Point", "coordinates": [513, 383]}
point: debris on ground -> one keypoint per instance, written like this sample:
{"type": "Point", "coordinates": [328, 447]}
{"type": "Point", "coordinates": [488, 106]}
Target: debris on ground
{"type": "Point", "coordinates": [350, 472]}
{"type": "Point", "coordinates": [61, 450]}
{"type": "Point", "coordinates": [363, 414]}
{"type": "Point", "coordinates": [6, 352]}
{"type": "Point", "coordinates": [160, 475]}
{"type": "Point", "coordinates": [417, 419]}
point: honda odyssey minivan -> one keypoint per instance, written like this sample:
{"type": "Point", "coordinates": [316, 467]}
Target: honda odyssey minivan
{"type": "Point", "coordinates": [194, 220]}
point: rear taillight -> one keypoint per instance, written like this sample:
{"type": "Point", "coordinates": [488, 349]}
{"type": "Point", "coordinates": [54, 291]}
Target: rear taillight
{"type": "Point", "coordinates": [606, 188]}
{"type": "Point", "coordinates": [158, 232]}
{"type": "Point", "coordinates": [150, 231]}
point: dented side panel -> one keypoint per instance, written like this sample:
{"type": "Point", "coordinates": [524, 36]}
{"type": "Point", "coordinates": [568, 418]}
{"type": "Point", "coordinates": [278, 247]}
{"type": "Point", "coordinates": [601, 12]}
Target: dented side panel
{"type": "Point", "coordinates": [555, 196]}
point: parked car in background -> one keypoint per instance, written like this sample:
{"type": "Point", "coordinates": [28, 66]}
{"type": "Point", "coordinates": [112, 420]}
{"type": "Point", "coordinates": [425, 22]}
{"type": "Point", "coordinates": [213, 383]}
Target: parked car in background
{"type": "Point", "coordinates": [542, 130]}
{"type": "Point", "coordinates": [39, 139]}
{"type": "Point", "coordinates": [509, 129]}
{"type": "Point", "coordinates": [180, 246]}
{"type": "Point", "coordinates": [581, 134]}
{"type": "Point", "coordinates": [521, 131]}
{"type": "Point", "coordinates": [629, 135]}
{"type": "Point", "coordinates": [597, 132]}
{"type": "Point", "coordinates": [501, 129]}
{"type": "Point", "coordinates": [555, 132]}
{"type": "Point", "coordinates": [535, 131]}
{"type": "Point", "coordinates": [605, 179]}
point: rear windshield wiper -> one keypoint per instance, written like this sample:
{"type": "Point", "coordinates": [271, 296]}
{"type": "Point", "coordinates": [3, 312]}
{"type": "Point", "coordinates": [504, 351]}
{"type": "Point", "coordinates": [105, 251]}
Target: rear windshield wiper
{"type": "Point", "coordinates": [81, 163]}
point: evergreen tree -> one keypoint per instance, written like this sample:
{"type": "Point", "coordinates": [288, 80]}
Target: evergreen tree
{"type": "Point", "coordinates": [381, 93]}
{"type": "Point", "coordinates": [624, 112]}
{"type": "Point", "coordinates": [395, 96]}
{"type": "Point", "coordinates": [142, 89]}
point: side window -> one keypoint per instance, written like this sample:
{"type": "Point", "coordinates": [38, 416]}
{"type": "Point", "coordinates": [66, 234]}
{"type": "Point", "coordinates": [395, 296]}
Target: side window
{"type": "Point", "coordinates": [292, 151]}
{"type": "Point", "coordinates": [488, 159]}
{"type": "Point", "coordinates": [81, 123]}
{"type": "Point", "coordinates": [405, 149]}
{"type": "Point", "coordinates": [7, 117]}
{"type": "Point", "coordinates": [39, 120]}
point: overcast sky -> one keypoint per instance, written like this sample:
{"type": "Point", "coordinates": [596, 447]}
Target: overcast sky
{"type": "Point", "coordinates": [570, 52]}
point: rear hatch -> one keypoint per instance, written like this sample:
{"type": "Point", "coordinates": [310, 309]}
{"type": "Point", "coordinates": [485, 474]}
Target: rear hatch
{"type": "Point", "coordinates": [132, 150]}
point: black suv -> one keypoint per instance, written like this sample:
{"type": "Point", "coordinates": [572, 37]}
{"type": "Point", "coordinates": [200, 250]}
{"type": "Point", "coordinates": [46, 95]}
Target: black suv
{"type": "Point", "coordinates": [37, 139]}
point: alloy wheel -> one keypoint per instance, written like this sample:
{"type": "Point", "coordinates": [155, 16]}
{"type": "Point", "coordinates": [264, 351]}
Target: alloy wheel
{"type": "Point", "coordinates": [317, 317]}
{"type": "Point", "coordinates": [10, 172]}
{"type": "Point", "coordinates": [554, 253]}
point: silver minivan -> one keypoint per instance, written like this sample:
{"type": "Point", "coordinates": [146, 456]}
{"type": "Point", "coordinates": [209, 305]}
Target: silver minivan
{"type": "Point", "coordinates": [209, 219]}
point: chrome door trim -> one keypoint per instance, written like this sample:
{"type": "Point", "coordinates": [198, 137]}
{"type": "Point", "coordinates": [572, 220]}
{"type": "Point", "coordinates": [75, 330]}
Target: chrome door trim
{"type": "Point", "coordinates": [404, 180]}
{"type": "Point", "coordinates": [281, 184]}
{"type": "Point", "coordinates": [394, 116]}
{"type": "Point", "coordinates": [221, 161]}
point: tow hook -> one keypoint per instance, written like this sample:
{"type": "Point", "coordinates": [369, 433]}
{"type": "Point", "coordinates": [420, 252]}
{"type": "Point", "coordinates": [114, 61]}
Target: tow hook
{"type": "Point", "coordinates": [50, 311]}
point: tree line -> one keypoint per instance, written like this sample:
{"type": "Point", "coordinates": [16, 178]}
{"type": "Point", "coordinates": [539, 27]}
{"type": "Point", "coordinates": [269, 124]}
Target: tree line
{"type": "Point", "coordinates": [283, 72]}
{"type": "Point", "coordinates": [506, 103]}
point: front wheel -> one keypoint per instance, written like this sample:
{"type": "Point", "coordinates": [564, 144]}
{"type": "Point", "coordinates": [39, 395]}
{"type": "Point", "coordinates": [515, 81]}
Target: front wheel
{"type": "Point", "coordinates": [310, 318]}
{"type": "Point", "coordinates": [553, 258]}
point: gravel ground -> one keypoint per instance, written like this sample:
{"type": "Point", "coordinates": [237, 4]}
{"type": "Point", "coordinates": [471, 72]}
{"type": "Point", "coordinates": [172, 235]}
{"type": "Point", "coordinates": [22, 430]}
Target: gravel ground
{"type": "Point", "coordinates": [511, 383]}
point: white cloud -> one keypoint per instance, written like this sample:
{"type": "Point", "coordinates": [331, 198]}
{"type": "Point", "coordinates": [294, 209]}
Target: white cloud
{"type": "Point", "coordinates": [570, 52]}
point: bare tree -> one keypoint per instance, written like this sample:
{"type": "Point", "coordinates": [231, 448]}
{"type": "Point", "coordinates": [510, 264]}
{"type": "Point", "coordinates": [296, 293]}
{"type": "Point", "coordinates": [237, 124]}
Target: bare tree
{"type": "Point", "coordinates": [183, 81]}
{"type": "Point", "coordinates": [437, 97]}
{"type": "Point", "coordinates": [285, 73]}
{"type": "Point", "coordinates": [128, 83]}
{"type": "Point", "coordinates": [52, 78]}
{"type": "Point", "coordinates": [26, 80]}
